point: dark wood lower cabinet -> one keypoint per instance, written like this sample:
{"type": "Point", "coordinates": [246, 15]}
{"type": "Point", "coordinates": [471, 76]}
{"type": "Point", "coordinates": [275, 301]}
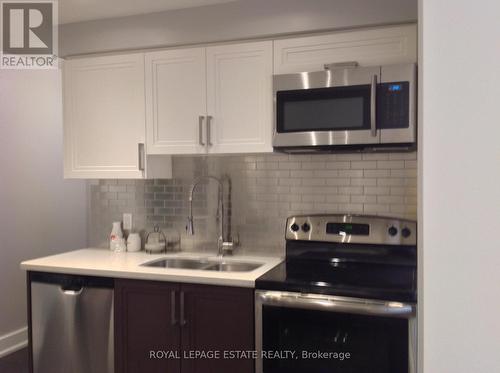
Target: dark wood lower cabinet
{"type": "Point", "coordinates": [143, 323]}
{"type": "Point", "coordinates": [218, 319]}
{"type": "Point", "coordinates": [182, 319]}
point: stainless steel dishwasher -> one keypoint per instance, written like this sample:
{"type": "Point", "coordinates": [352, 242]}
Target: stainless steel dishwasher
{"type": "Point", "coordinates": [72, 323]}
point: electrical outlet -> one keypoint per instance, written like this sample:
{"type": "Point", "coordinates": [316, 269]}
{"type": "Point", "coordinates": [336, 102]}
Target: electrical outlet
{"type": "Point", "coordinates": [127, 221]}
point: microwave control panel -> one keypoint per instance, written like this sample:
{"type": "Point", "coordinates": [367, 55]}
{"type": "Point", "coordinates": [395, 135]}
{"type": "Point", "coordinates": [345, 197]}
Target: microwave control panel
{"type": "Point", "coordinates": [393, 105]}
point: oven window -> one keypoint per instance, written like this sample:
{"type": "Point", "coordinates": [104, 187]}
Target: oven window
{"type": "Point", "coordinates": [324, 109]}
{"type": "Point", "coordinates": [348, 343]}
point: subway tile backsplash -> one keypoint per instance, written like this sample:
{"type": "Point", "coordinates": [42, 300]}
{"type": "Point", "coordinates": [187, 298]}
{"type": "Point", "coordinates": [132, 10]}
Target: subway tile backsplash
{"type": "Point", "coordinates": [265, 189]}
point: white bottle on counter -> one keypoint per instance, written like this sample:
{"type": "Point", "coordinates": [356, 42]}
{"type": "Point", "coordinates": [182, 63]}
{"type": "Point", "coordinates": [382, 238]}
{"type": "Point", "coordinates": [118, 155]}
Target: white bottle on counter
{"type": "Point", "coordinates": [134, 242]}
{"type": "Point", "coordinates": [116, 237]}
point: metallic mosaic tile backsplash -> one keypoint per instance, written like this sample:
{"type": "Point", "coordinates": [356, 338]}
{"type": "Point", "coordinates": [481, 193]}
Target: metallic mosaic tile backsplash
{"type": "Point", "coordinates": [265, 189]}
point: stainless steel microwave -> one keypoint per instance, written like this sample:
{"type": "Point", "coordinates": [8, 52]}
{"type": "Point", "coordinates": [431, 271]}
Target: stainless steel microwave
{"type": "Point", "coordinates": [346, 107]}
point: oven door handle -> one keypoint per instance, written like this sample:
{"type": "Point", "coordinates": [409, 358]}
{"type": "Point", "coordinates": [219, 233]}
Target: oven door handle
{"type": "Point", "coordinates": [337, 304]}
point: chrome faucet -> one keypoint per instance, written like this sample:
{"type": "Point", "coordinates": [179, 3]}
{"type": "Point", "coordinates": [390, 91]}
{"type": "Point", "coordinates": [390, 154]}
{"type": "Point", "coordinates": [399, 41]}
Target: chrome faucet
{"type": "Point", "coordinates": [223, 247]}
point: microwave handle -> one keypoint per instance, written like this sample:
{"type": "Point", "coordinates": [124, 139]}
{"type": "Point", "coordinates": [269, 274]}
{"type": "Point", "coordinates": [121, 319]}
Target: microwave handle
{"type": "Point", "coordinates": [373, 107]}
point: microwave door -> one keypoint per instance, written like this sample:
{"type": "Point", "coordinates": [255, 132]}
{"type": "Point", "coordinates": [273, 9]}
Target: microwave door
{"type": "Point", "coordinates": [397, 104]}
{"type": "Point", "coordinates": [326, 108]}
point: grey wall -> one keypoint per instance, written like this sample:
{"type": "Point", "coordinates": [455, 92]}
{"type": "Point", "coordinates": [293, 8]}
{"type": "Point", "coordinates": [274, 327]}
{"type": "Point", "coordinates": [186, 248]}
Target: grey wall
{"type": "Point", "coordinates": [230, 21]}
{"type": "Point", "coordinates": [266, 189]}
{"type": "Point", "coordinates": [460, 187]}
{"type": "Point", "coordinates": [40, 213]}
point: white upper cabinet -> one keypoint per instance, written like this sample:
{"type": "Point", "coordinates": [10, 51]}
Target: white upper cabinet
{"type": "Point", "coordinates": [383, 45]}
{"type": "Point", "coordinates": [176, 101]}
{"type": "Point", "coordinates": [210, 100]}
{"type": "Point", "coordinates": [104, 117]}
{"type": "Point", "coordinates": [239, 98]}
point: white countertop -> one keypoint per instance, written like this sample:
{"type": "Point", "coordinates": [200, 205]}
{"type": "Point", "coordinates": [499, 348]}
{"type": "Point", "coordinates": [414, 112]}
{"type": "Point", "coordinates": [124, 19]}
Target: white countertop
{"type": "Point", "coordinates": [105, 263]}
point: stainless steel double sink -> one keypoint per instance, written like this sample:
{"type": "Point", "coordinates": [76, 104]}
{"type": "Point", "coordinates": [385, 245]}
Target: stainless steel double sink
{"type": "Point", "coordinates": [203, 264]}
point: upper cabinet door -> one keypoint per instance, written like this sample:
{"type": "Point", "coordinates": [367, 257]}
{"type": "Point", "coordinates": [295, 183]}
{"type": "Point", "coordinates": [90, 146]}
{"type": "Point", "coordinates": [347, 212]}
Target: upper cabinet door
{"type": "Point", "coordinates": [377, 46]}
{"type": "Point", "coordinates": [239, 98]}
{"type": "Point", "coordinates": [176, 101]}
{"type": "Point", "coordinates": [104, 117]}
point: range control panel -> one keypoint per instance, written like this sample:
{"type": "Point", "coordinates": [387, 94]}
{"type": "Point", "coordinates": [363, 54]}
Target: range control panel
{"type": "Point", "coordinates": [351, 229]}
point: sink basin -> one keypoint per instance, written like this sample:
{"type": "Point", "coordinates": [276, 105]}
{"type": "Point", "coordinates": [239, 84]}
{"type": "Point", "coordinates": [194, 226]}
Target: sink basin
{"type": "Point", "coordinates": [203, 265]}
{"type": "Point", "coordinates": [233, 267]}
{"type": "Point", "coordinates": [178, 263]}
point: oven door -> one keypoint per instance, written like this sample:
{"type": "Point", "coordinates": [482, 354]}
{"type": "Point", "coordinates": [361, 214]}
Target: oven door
{"type": "Point", "coordinates": [324, 108]}
{"type": "Point", "coordinates": [311, 333]}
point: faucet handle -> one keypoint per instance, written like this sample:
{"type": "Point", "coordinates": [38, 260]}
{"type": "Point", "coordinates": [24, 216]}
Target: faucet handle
{"type": "Point", "coordinates": [227, 248]}
{"type": "Point", "coordinates": [236, 239]}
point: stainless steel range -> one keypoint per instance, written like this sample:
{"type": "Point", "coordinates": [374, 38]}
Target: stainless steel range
{"type": "Point", "coordinates": [343, 301]}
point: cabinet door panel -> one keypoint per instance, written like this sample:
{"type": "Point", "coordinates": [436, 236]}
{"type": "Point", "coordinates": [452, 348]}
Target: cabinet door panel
{"type": "Point", "coordinates": [218, 319]}
{"type": "Point", "coordinates": [144, 324]}
{"type": "Point", "coordinates": [377, 46]}
{"type": "Point", "coordinates": [104, 116]}
{"type": "Point", "coordinates": [176, 98]}
{"type": "Point", "coordinates": [239, 97]}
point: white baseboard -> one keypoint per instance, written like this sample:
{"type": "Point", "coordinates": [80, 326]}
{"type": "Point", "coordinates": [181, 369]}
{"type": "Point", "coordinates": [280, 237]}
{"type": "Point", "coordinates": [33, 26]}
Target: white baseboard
{"type": "Point", "coordinates": [13, 341]}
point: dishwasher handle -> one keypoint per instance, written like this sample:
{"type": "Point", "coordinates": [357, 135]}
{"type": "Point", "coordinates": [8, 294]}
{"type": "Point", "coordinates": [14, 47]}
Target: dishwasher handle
{"type": "Point", "coordinates": [72, 292]}
{"type": "Point", "coordinates": [72, 289]}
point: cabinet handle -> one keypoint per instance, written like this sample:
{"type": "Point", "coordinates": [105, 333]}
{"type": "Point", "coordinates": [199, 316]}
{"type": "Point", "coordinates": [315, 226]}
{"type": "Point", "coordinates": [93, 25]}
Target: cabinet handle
{"type": "Point", "coordinates": [173, 319]}
{"type": "Point", "coordinates": [209, 135]}
{"type": "Point", "coordinates": [183, 318]}
{"type": "Point", "coordinates": [200, 130]}
{"type": "Point", "coordinates": [373, 107]}
{"type": "Point", "coordinates": [141, 156]}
